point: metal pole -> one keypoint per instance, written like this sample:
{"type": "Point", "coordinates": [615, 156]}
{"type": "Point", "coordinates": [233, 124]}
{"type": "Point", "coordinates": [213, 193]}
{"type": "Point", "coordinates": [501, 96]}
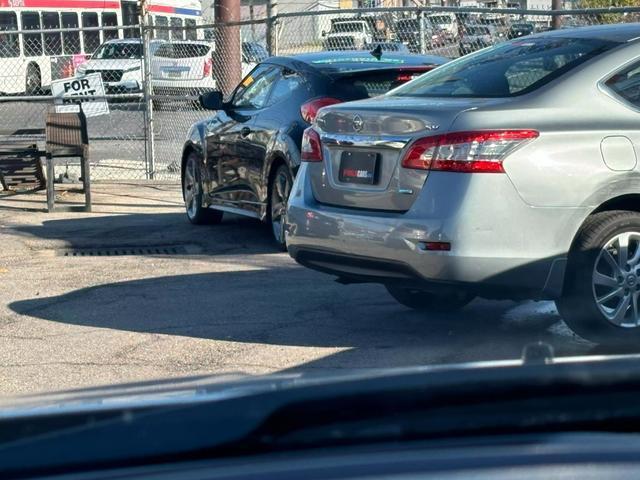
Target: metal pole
{"type": "Point", "coordinates": [272, 31]}
{"type": "Point", "coordinates": [556, 21]}
{"type": "Point", "coordinates": [147, 88]}
{"type": "Point", "coordinates": [423, 47]}
{"type": "Point", "coordinates": [227, 61]}
{"type": "Point", "coordinates": [252, 18]}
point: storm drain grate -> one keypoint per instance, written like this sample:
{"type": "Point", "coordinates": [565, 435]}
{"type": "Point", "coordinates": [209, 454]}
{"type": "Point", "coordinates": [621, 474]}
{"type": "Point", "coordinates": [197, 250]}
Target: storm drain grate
{"type": "Point", "coordinates": [121, 251]}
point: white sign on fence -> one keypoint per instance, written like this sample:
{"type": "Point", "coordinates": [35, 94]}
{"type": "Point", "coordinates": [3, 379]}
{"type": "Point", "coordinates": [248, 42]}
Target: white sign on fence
{"type": "Point", "coordinates": [68, 93]}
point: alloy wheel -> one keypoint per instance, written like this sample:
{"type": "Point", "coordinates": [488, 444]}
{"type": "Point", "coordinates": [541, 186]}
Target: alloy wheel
{"type": "Point", "coordinates": [616, 280]}
{"type": "Point", "coordinates": [191, 188]}
{"type": "Point", "coordinates": [279, 196]}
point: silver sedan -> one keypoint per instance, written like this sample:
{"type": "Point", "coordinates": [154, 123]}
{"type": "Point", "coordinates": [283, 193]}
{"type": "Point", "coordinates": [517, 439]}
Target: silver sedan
{"type": "Point", "coordinates": [509, 173]}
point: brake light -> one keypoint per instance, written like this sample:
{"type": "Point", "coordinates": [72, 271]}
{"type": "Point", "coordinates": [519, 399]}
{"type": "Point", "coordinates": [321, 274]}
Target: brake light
{"type": "Point", "coordinates": [311, 151]}
{"type": "Point", "coordinates": [405, 77]}
{"type": "Point", "coordinates": [309, 110]}
{"type": "Point", "coordinates": [206, 70]}
{"type": "Point", "coordinates": [468, 152]}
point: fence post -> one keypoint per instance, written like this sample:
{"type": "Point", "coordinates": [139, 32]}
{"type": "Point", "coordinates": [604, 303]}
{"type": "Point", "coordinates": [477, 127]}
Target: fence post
{"type": "Point", "coordinates": [556, 22]}
{"type": "Point", "coordinates": [421, 30]}
{"type": "Point", "coordinates": [272, 30]}
{"type": "Point", "coordinates": [148, 92]}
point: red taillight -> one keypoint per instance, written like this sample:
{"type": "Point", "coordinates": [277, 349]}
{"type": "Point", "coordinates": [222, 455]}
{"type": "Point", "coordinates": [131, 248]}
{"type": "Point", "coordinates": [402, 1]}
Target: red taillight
{"type": "Point", "coordinates": [408, 74]}
{"type": "Point", "coordinates": [437, 246]}
{"type": "Point", "coordinates": [467, 152]}
{"type": "Point", "coordinates": [206, 70]}
{"type": "Point", "coordinates": [309, 110]}
{"type": "Point", "coordinates": [311, 151]}
{"type": "Point", "coordinates": [405, 77]}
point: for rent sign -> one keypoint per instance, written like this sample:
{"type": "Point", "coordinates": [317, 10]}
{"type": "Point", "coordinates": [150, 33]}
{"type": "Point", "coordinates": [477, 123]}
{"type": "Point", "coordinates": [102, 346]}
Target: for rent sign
{"type": "Point", "coordinates": [68, 93]}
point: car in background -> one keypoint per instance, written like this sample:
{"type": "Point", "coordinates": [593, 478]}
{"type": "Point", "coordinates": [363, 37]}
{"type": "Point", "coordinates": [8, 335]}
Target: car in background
{"type": "Point", "coordinates": [252, 54]}
{"type": "Point", "coordinates": [244, 157]}
{"type": "Point", "coordinates": [476, 37]}
{"type": "Point", "coordinates": [520, 30]}
{"type": "Point", "coordinates": [395, 47]}
{"type": "Point", "coordinates": [408, 32]}
{"type": "Point", "coordinates": [447, 22]}
{"type": "Point", "coordinates": [456, 185]}
{"type": "Point", "coordinates": [119, 63]}
{"type": "Point", "coordinates": [182, 67]}
{"type": "Point", "coordinates": [348, 34]}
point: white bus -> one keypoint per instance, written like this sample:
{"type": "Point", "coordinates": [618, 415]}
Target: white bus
{"type": "Point", "coordinates": [29, 61]}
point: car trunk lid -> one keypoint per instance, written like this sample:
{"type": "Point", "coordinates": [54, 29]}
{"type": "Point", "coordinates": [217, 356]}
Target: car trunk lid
{"type": "Point", "coordinates": [363, 143]}
{"type": "Point", "coordinates": [181, 61]}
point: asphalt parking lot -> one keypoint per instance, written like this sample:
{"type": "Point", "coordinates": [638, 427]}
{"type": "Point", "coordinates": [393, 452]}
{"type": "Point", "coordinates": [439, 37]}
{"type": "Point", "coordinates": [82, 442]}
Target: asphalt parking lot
{"type": "Point", "coordinates": [214, 299]}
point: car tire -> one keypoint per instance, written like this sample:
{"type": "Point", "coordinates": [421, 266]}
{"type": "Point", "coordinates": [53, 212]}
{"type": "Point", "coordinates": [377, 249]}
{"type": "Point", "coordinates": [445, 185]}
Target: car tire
{"type": "Point", "coordinates": [279, 190]}
{"type": "Point", "coordinates": [427, 301]}
{"type": "Point", "coordinates": [601, 297]}
{"type": "Point", "coordinates": [193, 193]}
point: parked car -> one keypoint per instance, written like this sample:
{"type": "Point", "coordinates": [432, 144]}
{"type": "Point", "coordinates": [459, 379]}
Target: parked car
{"type": "Point", "coordinates": [520, 30]}
{"type": "Point", "coordinates": [447, 22]}
{"type": "Point", "coordinates": [407, 31]}
{"type": "Point", "coordinates": [490, 176]}
{"type": "Point", "coordinates": [395, 47]}
{"type": "Point", "coordinates": [252, 54]}
{"type": "Point", "coordinates": [476, 37]}
{"type": "Point", "coordinates": [244, 157]}
{"type": "Point", "coordinates": [120, 64]}
{"type": "Point", "coordinates": [348, 34]}
{"type": "Point", "coordinates": [182, 67]}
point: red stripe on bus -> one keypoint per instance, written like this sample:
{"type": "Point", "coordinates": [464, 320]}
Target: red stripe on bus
{"type": "Point", "coordinates": [106, 4]}
{"type": "Point", "coordinates": [161, 8]}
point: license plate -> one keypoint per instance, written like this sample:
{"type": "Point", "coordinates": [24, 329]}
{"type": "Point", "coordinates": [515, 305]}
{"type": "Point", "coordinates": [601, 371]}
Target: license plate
{"type": "Point", "coordinates": [359, 167]}
{"type": "Point", "coordinates": [174, 74]}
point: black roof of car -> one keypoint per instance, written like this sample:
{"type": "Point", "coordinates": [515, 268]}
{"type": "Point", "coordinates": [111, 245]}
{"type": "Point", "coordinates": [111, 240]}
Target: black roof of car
{"type": "Point", "coordinates": [620, 32]}
{"type": "Point", "coordinates": [336, 62]}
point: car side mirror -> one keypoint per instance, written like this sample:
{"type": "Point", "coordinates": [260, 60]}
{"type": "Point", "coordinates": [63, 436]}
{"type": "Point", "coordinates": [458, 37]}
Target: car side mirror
{"type": "Point", "coordinates": [212, 100]}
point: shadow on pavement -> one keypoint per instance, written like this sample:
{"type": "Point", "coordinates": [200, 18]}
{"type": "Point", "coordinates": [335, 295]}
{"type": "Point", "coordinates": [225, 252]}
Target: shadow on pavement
{"type": "Point", "coordinates": [234, 235]}
{"type": "Point", "coordinates": [291, 306]}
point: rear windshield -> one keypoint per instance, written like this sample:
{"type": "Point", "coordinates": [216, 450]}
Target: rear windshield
{"type": "Point", "coordinates": [182, 50]}
{"type": "Point", "coordinates": [440, 19]}
{"type": "Point", "coordinates": [348, 27]}
{"type": "Point", "coordinates": [407, 25]}
{"type": "Point", "coordinates": [506, 70]}
{"type": "Point", "coordinates": [477, 31]}
{"type": "Point", "coordinates": [120, 51]}
{"type": "Point", "coordinates": [371, 84]}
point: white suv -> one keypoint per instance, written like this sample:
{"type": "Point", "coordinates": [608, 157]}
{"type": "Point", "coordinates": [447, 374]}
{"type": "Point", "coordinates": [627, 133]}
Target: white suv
{"type": "Point", "coordinates": [120, 64]}
{"type": "Point", "coordinates": [182, 67]}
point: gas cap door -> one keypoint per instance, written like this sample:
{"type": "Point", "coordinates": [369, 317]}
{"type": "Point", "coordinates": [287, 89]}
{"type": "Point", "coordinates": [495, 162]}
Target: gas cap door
{"type": "Point", "coordinates": [618, 153]}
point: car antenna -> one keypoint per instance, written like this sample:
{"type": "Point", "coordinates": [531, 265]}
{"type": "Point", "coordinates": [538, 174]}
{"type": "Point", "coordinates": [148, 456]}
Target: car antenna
{"type": "Point", "coordinates": [377, 52]}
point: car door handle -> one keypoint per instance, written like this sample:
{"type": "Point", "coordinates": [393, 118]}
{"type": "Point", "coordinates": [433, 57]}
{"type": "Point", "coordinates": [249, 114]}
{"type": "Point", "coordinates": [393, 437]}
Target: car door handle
{"type": "Point", "coordinates": [245, 131]}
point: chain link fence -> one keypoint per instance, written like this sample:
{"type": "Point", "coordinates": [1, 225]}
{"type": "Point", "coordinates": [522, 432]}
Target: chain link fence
{"type": "Point", "coordinates": [153, 74]}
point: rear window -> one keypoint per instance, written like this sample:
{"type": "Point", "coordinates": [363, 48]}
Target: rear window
{"type": "Point", "coordinates": [407, 25]}
{"type": "Point", "coordinates": [477, 31]}
{"type": "Point", "coordinates": [508, 69]}
{"type": "Point", "coordinates": [182, 50]}
{"type": "Point", "coordinates": [348, 27]}
{"type": "Point", "coordinates": [366, 85]}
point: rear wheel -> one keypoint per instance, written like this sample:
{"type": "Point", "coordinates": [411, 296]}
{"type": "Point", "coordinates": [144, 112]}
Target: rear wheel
{"type": "Point", "coordinates": [279, 194]}
{"type": "Point", "coordinates": [33, 81]}
{"type": "Point", "coordinates": [436, 302]}
{"type": "Point", "coordinates": [601, 296]}
{"type": "Point", "coordinates": [192, 192]}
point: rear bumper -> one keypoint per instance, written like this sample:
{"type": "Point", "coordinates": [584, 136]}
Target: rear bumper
{"type": "Point", "coordinates": [500, 247]}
